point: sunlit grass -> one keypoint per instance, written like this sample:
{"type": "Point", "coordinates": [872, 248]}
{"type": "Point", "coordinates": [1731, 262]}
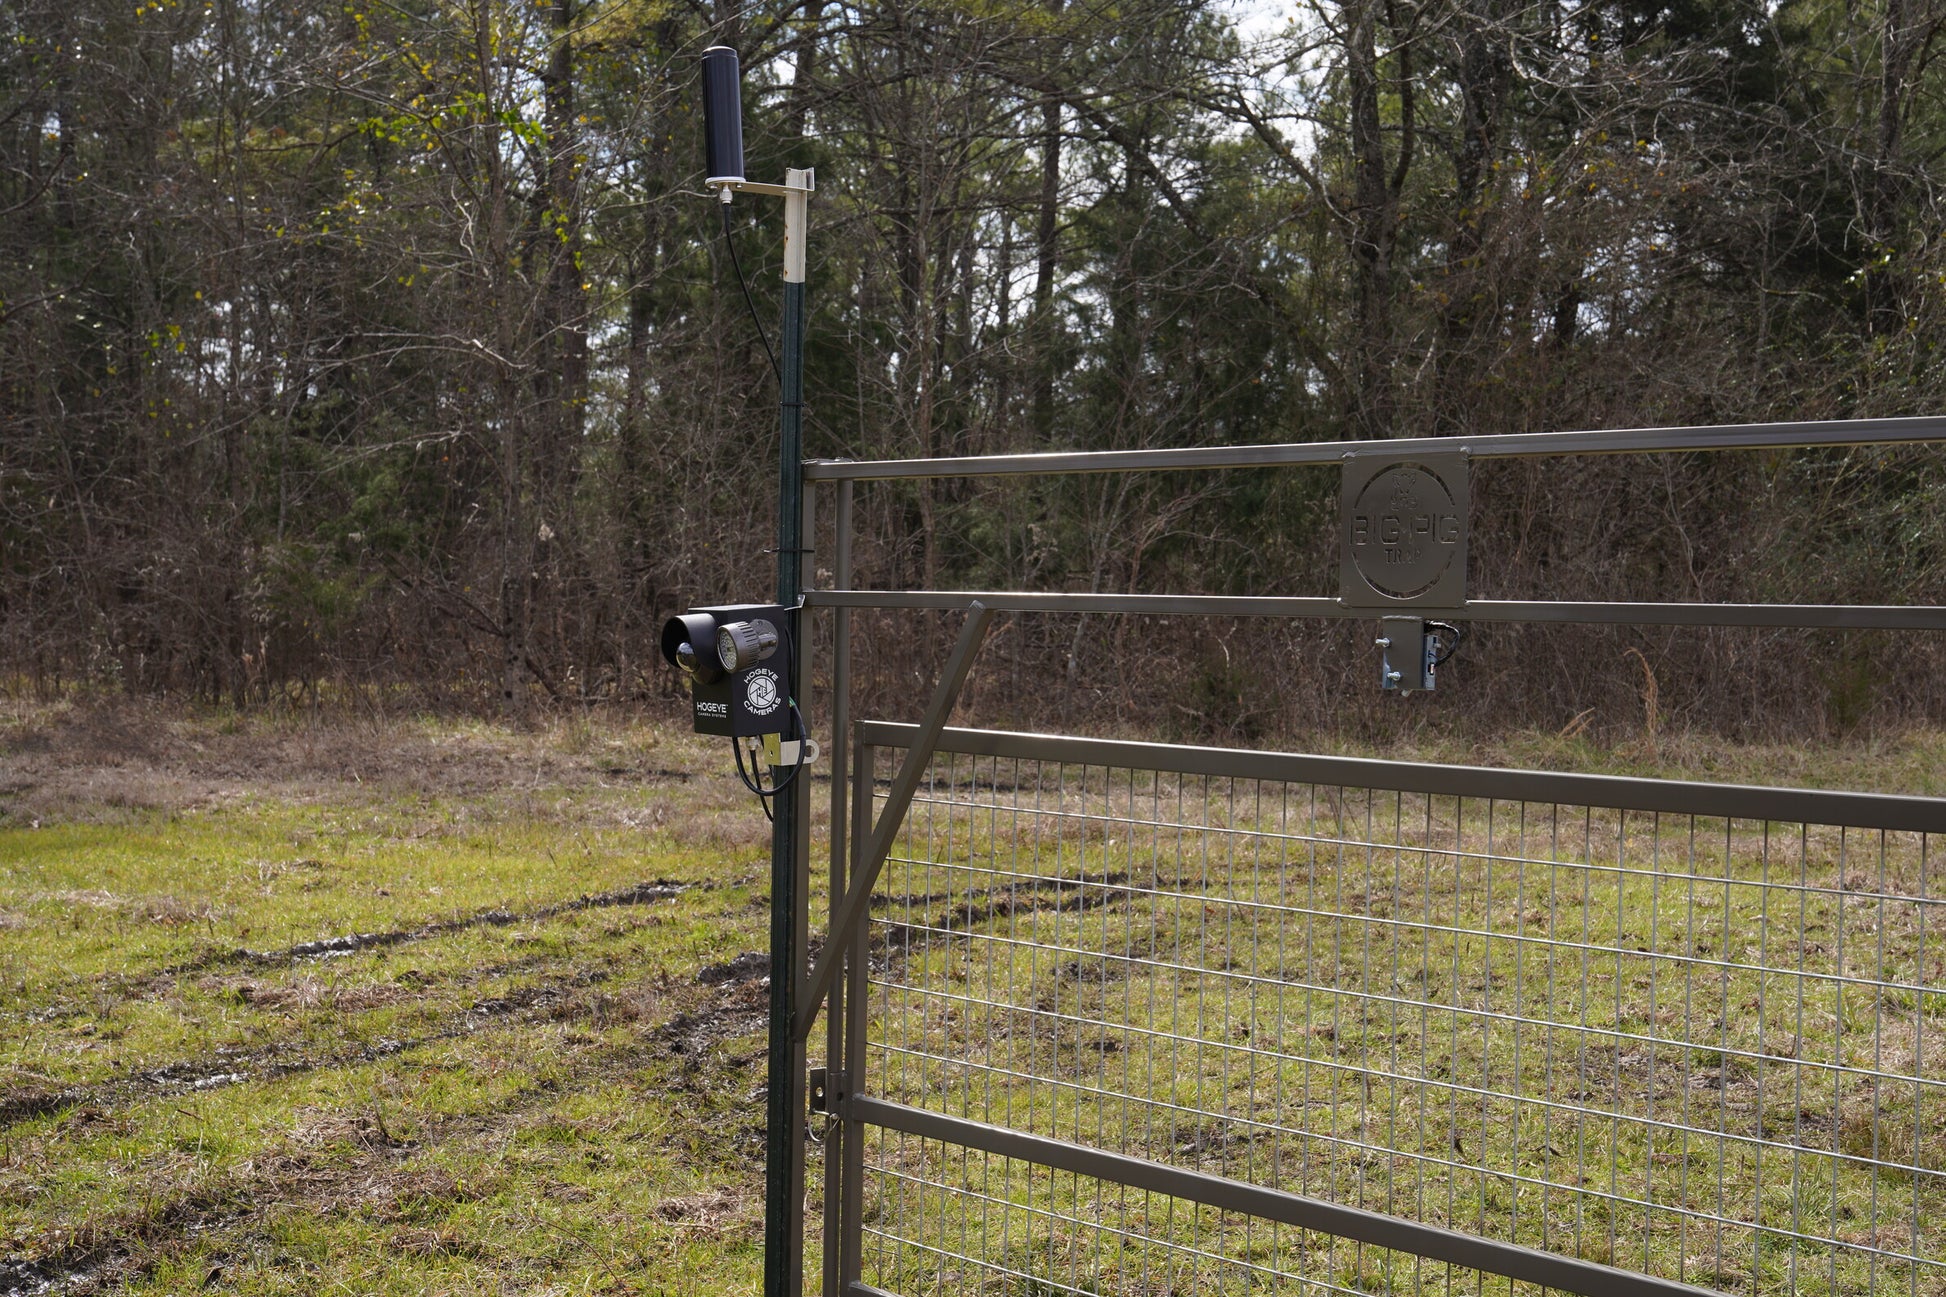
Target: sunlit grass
{"type": "Point", "coordinates": [510, 1093]}
{"type": "Point", "coordinates": [519, 1086]}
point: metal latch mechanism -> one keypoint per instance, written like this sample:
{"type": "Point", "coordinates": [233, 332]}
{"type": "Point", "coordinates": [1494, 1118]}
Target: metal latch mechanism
{"type": "Point", "coordinates": [1410, 652]}
{"type": "Point", "coordinates": [827, 1089]}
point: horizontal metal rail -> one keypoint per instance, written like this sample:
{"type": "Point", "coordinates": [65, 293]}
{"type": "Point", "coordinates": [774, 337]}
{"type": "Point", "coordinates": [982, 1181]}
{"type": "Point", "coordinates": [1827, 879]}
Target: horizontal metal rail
{"type": "Point", "coordinates": [1435, 1243]}
{"type": "Point", "coordinates": [1675, 797]}
{"type": "Point", "coordinates": [1755, 615]}
{"type": "Point", "coordinates": [1801, 435]}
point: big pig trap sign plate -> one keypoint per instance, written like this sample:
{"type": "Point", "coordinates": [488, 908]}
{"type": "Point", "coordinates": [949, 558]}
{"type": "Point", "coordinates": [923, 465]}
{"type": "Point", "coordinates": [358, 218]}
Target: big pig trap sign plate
{"type": "Point", "coordinates": [1403, 532]}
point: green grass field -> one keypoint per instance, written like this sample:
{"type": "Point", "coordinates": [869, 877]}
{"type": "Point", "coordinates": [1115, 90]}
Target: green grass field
{"type": "Point", "coordinates": [413, 1007]}
{"type": "Point", "coordinates": [513, 1081]}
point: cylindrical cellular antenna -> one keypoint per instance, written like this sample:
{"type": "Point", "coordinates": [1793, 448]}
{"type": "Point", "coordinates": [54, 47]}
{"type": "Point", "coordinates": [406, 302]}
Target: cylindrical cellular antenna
{"type": "Point", "coordinates": [722, 115]}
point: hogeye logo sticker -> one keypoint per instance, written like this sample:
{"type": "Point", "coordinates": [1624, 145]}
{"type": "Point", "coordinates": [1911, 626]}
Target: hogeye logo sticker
{"type": "Point", "coordinates": [763, 692]}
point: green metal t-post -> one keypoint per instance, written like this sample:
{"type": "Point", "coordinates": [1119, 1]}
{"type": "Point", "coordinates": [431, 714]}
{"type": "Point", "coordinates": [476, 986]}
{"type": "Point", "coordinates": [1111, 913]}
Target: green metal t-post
{"type": "Point", "coordinates": [789, 855]}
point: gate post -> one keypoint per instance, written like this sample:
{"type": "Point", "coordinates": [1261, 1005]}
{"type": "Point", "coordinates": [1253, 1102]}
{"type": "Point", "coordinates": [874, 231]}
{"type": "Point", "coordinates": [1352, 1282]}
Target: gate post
{"type": "Point", "coordinates": [789, 846]}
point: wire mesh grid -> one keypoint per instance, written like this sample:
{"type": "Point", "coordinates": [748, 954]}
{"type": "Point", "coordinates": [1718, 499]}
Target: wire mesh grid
{"type": "Point", "coordinates": [1698, 1048]}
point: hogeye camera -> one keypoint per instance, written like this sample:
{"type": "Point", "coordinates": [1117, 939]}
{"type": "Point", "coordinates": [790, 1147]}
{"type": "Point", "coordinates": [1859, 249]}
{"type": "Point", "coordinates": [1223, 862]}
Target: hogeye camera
{"type": "Point", "coordinates": [738, 661]}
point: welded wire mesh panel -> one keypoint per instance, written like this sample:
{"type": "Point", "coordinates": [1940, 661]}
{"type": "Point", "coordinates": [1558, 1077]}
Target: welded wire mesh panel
{"type": "Point", "coordinates": [1705, 1049]}
{"type": "Point", "coordinates": [951, 1221]}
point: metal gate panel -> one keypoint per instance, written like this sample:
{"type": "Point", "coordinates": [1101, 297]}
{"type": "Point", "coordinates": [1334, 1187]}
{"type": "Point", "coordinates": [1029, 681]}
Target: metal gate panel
{"type": "Point", "coordinates": [1141, 1019]}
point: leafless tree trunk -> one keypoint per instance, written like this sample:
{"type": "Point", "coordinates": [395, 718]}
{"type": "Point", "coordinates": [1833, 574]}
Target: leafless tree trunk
{"type": "Point", "coordinates": [1377, 181]}
{"type": "Point", "coordinates": [1047, 230]}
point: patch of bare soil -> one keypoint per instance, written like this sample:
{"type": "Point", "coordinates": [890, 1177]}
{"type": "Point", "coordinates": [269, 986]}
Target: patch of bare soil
{"type": "Point", "coordinates": [702, 1213]}
{"type": "Point", "coordinates": [749, 966]}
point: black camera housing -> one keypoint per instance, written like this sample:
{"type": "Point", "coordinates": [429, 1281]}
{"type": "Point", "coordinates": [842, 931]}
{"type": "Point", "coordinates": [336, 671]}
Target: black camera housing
{"type": "Point", "coordinates": [748, 703]}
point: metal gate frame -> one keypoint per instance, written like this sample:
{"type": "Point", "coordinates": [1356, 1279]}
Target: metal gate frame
{"type": "Point", "coordinates": [859, 845]}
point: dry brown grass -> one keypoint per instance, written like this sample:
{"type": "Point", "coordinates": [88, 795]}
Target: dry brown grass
{"type": "Point", "coordinates": [104, 760]}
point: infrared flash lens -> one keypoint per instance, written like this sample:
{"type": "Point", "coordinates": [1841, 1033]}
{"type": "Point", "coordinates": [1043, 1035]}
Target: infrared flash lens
{"type": "Point", "coordinates": [744, 644]}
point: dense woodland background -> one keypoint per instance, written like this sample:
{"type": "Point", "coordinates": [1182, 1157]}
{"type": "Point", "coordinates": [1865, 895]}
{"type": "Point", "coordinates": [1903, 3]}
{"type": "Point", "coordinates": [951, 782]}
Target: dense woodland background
{"type": "Point", "coordinates": [357, 349]}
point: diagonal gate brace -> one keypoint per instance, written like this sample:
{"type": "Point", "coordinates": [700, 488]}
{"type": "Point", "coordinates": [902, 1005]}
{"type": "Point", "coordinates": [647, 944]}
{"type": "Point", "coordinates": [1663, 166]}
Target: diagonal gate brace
{"type": "Point", "coordinates": [897, 802]}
